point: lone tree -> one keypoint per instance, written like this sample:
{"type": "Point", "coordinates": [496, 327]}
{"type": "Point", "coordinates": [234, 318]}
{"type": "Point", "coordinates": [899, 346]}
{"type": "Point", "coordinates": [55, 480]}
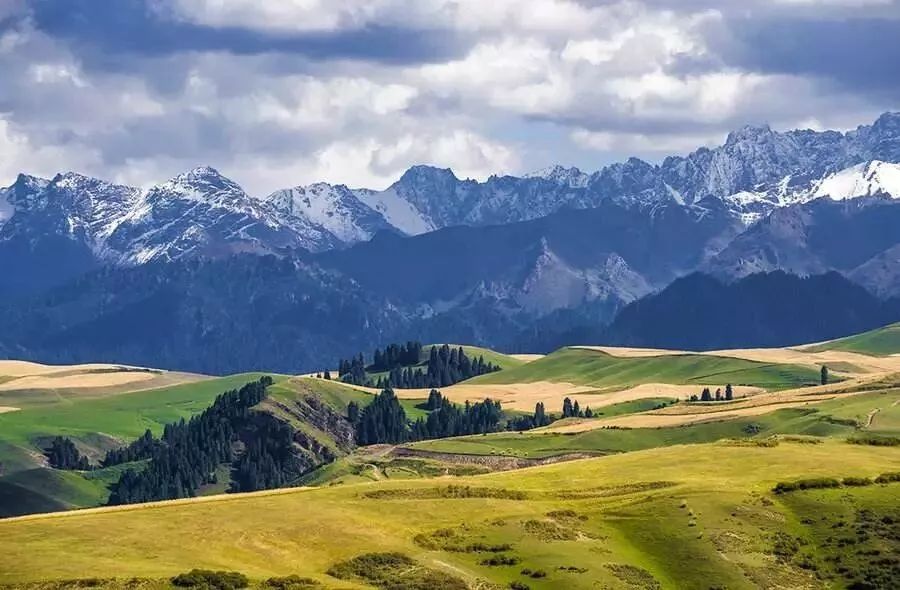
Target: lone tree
{"type": "Point", "coordinates": [824, 375]}
{"type": "Point", "coordinates": [729, 393]}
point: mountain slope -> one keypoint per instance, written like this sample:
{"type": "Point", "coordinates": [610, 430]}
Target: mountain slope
{"type": "Point", "coordinates": [813, 238]}
{"type": "Point", "coordinates": [335, 208]}
{"type": "Point", "coordinates": [699, 312]}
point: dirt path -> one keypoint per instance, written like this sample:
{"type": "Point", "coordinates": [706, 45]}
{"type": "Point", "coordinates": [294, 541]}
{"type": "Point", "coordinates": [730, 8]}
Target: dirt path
{"type": "Point", "coordinates": [871, 416]}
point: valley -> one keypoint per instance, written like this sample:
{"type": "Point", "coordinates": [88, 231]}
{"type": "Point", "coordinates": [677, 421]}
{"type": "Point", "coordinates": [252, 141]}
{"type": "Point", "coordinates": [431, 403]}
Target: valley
{"type": "Point", "coordinates": [625, 498]}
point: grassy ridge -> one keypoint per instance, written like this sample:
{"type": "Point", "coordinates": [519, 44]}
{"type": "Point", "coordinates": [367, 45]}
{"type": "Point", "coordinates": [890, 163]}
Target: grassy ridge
{"type": "Point", "coordinates": [124, 416]}
{"type": "Point", "coordinates": [596, 368]}
{"type": "Point", "coordinates": [880, 342]}
{"type": "Point", "coordinates": [97, 423]}
{"type": "Point", "coordinates": [840, 417]}
{"type": "Point", "coordinates": [678, 517]}
{"type": "Point", "coordinates": [504, 361]}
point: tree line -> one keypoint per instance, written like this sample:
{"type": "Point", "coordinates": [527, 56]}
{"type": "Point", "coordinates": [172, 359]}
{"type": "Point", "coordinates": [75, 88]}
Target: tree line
{"type": "Point", "coordinates": [189, 452]}
{"type": "Point", "coordinates": [385, 421]}
{"type": "Point", "coordinates": [62, 454]}
{"type": "Point", "coordinates": [444, 366]}
{"type": "Point", "coordinates": [707, 396]}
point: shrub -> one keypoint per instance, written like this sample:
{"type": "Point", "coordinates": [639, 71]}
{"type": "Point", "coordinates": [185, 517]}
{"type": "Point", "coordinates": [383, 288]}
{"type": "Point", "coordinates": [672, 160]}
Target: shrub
{"type": "Point", "coordinates": [519, 586]}
{"type": "Point", "coordinates": [211, 579]}
{"type": "Point", "coordinates": [293, 582]}
{"type": "Point", "coordinates": [497, 560]}
{"type": "Point", "coordinates": [888, 477]}
{"type": "Point", "coordinates": [875, 441]}
{"type": "Point", "coordinates": [806, 484]}
{"type": "Point", "coordinates": [857, 481]}
{"type": "Point", "coordinates": [394, 571]}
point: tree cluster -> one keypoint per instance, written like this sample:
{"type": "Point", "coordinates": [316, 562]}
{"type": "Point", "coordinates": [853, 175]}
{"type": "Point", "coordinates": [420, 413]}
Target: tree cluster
{"type": "Point", "coordinates": [382, 421]}
{"type": "Point", "coordinates": [445, 366]}
{"type": "Point", "coordinates": [573, 410]}
{"type": "Point", "coordinates": [267, 461]}
{"type": "Point", "coordinates": [354, 371]}
{"type": "Point", "coordinates": [140, 449]}
{"type": "Point", "coordinates": [538, 419]}
{"type": "Point", "coordinates": [62, 454]}
{"type": "Point", "coordinates": [707, 396]}
{"type": "Point", "coordinates": [396, 355]}
{"type": "Point", "coordinates": [385, 420]}
{"type": "Point", "coordinates": [189, 452]}
{"type": "Point", "coordinates": [448, 419]}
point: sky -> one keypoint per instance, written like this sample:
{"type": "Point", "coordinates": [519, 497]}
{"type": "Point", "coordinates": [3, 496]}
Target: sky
{"type": "Point", "coordinates": [279, 93]}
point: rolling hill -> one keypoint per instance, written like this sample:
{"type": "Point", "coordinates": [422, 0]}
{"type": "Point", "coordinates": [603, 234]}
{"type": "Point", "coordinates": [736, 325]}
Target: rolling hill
{"type": "Point", "coordinates": [580, 502]}
{"type": "Point", "coordinates": [881, 341]}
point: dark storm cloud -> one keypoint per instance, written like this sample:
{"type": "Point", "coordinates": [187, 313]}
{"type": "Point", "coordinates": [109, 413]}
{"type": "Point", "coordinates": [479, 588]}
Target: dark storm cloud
{"type": "Point", "coordinates": [104, 30]}
{"type": "Point", "coordinates": [859, 54]}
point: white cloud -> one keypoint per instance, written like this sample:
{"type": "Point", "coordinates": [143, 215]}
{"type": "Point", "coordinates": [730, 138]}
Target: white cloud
{"type": "Point", "coordinates": [565, 16]}
{"type": "Point", "coordinates": [620, 78]}
{"type": "Point", "coordinates": [654, 145]}
{"type": "Point", "coordinates": [42, 160]}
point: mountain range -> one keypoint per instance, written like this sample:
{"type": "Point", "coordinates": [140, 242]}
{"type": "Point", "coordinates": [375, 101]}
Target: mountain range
{"type": "Point", "coordinates": [510, 262]}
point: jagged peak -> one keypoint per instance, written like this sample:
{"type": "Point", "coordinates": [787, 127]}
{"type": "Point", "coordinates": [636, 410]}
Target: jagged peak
{"type": "Point", "coordinates": [421, 172]}
{"type": "Point", "coordinates": [199, 173]}
{"type": "Point", "coordinates": [748, 133]}
{"type": "Point", "coordinates": [27, 180]}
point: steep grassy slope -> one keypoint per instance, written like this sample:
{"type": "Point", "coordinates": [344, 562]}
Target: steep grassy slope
{"type": "Point", "coordinates": [596, 368]}
{"type": "Point", "coordinates": [681, 517]}
{"type": "Point", "coordinates": [96, 424]}
{"type": "Point", "coordinates": [881, 342]}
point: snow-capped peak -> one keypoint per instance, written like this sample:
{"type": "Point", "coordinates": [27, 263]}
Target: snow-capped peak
{"type": "Point", "coordinates": [336, 208]}
{"type": "Point", "coordinates": [572, 177]}
{"type": "Point", "coordinates": [864, 179]}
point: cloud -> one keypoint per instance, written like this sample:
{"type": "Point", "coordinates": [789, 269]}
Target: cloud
{"type": "Point", "coordinates": [279, 93]}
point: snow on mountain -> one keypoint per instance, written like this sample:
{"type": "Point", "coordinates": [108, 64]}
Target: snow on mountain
{"type": "Point", "coordinates": [201, 212]}
{"type": "Point", "coordinates": [864, 179]}
{"type": "Point", "coordinates": [572, 177]}
{"type": "Point", "coordinates": [336, 208]}
{"type": "Point", "coordinates": [756, 171]}
{"type": "Point", "coordinates": [397, 211]}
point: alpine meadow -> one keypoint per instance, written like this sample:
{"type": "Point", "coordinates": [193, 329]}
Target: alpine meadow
{"type": "Point", "coordinates": [449, 295]}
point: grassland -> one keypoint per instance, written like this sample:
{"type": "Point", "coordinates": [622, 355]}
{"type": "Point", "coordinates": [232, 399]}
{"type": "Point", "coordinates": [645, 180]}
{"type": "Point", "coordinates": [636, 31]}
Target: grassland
{"type": "Point", "coordinates": [880, 342]}
{"type": "Point", "coordinates": [677, 517]}
{"type": "Point", "coordinates": [604, 371]}
{"type": "Point", "coordinates": [839, 417]}
{"type": "Point", "coordinates": [96, 423]}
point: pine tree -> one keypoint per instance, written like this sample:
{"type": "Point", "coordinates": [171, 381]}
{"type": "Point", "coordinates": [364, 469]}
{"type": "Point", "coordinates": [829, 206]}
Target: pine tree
{"type": "Point", "coordinates": [824, 375]}
{"type": "Point", "coordinates": [706, 396]}
{"type": "Point", "coordinates": [729, 392]}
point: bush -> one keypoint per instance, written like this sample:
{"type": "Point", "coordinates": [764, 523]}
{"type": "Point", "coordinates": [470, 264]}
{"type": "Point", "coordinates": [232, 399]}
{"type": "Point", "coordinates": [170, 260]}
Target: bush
{"type": "Point", "coordinates": [857, 481]}
{"type": "Point", "coordinates": [519, 586]}
{"type": "Point", "coordinates": [394, 571]}
{"type": "Point", "coordinates": [293, 582]}
{"type": "Point", "coordinates": [497, 560]}
{"type": "Point", "coordinates": [209, 579]}
{"type": "Point", "coordinates": [875, 441]}
{"type": "Point", "coordinates": [888, 477]}
{"type": "Point", "coordinates": [806, 484]}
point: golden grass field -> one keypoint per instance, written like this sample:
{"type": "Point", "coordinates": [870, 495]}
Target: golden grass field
{"type": "Point", "coordinates": [705, 492]}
